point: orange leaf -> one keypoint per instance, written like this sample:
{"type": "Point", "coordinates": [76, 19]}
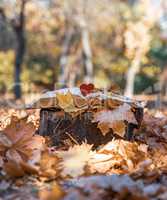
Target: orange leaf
{"type": "Point", "coordinates": [18, 128]}
{"type": "Point", "coordinates": [119, 128]}
{"type": "Point", "coordinates": [18, 169]}
{"type": "Point", "coordinates": [19, 146]}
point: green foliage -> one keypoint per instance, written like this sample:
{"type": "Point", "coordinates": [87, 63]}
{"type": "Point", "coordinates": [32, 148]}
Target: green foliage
{"type": "Point", "coordinates": [143, 83]}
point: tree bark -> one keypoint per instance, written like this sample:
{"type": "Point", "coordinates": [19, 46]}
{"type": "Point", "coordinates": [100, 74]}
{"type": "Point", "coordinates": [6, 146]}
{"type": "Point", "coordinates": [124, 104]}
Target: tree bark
{"type": "Point", "coordinates": [19, 26]}
{"type": "Point", "coordinates": [131, 74]}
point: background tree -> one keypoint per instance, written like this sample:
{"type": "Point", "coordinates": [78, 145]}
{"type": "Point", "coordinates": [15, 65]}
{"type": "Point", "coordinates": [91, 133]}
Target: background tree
{"type": "Point", "coordinates": [69, 42]}
{"type": "Point", "coordinates": [18, 24]}
{"type": "Point", "coordinates": [137, 40]}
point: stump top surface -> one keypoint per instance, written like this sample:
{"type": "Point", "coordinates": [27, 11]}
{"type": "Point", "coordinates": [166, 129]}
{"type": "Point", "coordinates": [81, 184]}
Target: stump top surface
{"type": "Point", "coordinates": [50, 100]}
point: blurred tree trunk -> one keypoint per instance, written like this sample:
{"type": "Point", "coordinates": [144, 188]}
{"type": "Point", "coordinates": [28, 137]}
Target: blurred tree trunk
{"type": "Point", "coordinates": [87, 53]}
{"type": "Point", "coordinates": [131, 74]}
{"type": "Point", "coordinates": [64, 56]}
{"type": "Point", "coordinates": [86, 46]}
{"type": "Point", "coordinates": [163, 82]}
{"type": "Point", "coordinates": [18, 25]}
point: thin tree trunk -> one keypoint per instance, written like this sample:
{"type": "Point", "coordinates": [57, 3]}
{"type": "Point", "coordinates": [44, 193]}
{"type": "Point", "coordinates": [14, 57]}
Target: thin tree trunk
{"type": "Point", "coordinates": [131, 74]}
{"type": "Point", "coordinates": [86, 47]}
{"type": "Point", "coordinates": [87, 53]}
{"type": "Point", "coordinates": [18, 26]}
{"type": "Point", "coordinates": [64, 57]}
{"type": "Point", "coordinates": [19, 55]}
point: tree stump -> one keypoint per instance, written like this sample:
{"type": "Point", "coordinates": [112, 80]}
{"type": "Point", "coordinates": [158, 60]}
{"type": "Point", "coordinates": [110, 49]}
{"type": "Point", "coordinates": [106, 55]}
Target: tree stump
{"type": "Point", "coordinates": [57, 120]}
{"type": "Point", "coordinates": [64, 130]}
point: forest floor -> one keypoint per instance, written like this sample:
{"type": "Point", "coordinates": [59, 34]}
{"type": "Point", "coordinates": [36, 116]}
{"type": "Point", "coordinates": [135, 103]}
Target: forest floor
{"type": "Point", "coordinates": [120, 169]}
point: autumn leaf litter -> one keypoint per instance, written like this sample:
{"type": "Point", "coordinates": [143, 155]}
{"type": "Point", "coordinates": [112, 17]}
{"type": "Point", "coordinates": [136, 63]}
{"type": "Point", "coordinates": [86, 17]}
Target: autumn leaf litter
{"type": "Point", "coordinates": [118, 170]}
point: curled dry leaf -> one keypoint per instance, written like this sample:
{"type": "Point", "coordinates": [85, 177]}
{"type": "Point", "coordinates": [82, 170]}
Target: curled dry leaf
{"type": "Point", "coordinates": [80, 102]}
{"type": "Point", "coordinates": [114, 119]}
{"type": "Point", "coordinates": [74, 160]}
{"type": "Point", "coordinates": [19, 146]}
{"type": "Point", "coordinates": [95, 102]}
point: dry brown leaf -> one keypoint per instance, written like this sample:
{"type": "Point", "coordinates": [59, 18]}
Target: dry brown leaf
{"type": "Point", "coordinates": [119, 128]}
{"type": "Point", "coordinates": [20, 147]}
{"type": "Point", "coordinates": [80, 102]}
{"type": "Point", "coordinates": [112, 104]}
{"type": "Point", "coordinates": [103, 162]}
{"type": "Point", "coordinates": [95, 102]}
{"type": "Point", "coordinates": [54, 193]}
{"type": "Point", "coordinates": [114, 119]}
{"type": "Point", "coordinates": [104, 128]}
{"type": "Point", "coordinates": [47, 102]}
{"type": "Point", "coordinates": [13, 169]}
{"type": "Point", "coordinates": [74, 160]}
{"type": "Point", "coordinates": [48, 164]}
{"type": "Point", "coordinates": [19, 137]}
{"type": "Point", "coordinates": [117, 154]}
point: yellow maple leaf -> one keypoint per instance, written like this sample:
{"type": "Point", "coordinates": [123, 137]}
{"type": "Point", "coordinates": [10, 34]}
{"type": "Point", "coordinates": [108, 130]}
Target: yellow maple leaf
{"type": "Point", "coordinates": [66, 102]}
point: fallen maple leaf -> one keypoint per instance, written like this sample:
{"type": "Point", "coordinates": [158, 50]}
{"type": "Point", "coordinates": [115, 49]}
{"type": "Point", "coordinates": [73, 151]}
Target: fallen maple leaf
{"type": "Point", "coordinates": [66, 102]}
{"type": "Point", "coordinates": [114, 119]}
{"type": "Point", "coordinates": [74, 160]}
{"type": "Point", "coordinates": [19, 145]}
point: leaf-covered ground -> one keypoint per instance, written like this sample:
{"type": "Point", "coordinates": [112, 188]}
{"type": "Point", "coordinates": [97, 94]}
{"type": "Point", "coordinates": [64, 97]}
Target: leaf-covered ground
{"type": "Point", "coordinates": [32, 169]}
